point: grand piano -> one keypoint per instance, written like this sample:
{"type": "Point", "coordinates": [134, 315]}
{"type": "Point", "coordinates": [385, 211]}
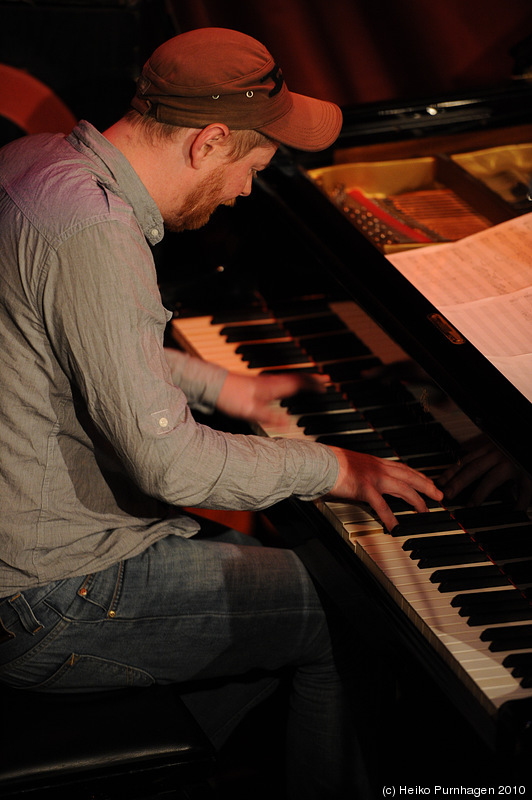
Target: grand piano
{"type": "Point", "coordinates": [297, 277]}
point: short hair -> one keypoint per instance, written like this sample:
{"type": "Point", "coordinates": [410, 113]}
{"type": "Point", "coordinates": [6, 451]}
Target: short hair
{"type": "Point", "coordinates": [239, 144]}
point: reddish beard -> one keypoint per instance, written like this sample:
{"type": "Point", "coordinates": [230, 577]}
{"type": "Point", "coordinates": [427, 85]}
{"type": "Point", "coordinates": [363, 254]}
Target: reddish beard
{"type": "Point", "coordinates": [198, 207]}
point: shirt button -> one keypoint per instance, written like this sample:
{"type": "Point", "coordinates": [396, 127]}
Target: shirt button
{"type": "Point", "coordinates": [154, 231]}
{"type": "Point", "coordinates": [163, 422]}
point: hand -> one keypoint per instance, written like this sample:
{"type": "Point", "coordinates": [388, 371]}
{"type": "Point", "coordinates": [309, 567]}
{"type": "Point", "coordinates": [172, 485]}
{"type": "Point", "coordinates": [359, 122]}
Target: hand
{"type": "Point", "coordinates": [486, 464]}
{"type": "Point", "coordinates": [366, 478]}
{"type": "Point", "coordinates": [250, 397]}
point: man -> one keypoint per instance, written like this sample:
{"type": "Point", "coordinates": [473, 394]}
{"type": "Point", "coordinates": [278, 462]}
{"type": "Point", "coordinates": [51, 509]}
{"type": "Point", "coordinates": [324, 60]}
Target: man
{"type": "Point", "coordinates": [104, 582]}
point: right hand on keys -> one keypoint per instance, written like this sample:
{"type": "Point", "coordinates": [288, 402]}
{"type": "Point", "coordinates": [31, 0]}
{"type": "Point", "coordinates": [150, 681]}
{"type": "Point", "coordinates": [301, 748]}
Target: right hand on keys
{"type": "Point", "coordinates": [367, 478]}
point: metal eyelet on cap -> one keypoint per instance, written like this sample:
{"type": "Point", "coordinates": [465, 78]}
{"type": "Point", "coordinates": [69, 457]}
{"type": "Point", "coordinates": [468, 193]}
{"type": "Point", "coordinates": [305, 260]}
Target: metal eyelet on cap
{"type": "Point", "coordinates": [249, 93]}
{"type": "Point", "coordinates": [215, 96]}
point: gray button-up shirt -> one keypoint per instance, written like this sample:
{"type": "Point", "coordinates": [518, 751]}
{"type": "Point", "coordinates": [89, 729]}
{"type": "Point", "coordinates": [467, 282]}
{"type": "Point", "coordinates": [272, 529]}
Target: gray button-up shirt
{"type": "Point", "coordinates": [98, 449]}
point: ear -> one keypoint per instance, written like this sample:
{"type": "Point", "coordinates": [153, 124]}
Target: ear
{"type": "Point", "coordinates": [209, 142]}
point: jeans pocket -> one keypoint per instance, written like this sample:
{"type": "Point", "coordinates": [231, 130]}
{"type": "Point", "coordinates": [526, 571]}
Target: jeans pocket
{"type": "Point", "coordinates": [83, 673]}
{"type": "Point", "coordinates": [91, 598]}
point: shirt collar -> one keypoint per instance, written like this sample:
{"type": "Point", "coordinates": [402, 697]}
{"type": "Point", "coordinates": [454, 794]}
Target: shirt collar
{"type": "Point", "coordinates": [120, 178]}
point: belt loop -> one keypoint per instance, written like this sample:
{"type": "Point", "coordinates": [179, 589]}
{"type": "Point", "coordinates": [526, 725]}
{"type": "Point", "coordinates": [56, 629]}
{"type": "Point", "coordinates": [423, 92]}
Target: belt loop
{"type": "Point", "coordinates": [25, 614]}
{"type": "Point", "coordinates": [5, 635]}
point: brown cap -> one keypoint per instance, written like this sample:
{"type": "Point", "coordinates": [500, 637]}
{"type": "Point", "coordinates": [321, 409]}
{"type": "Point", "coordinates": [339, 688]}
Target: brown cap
{"type": "Point", "coordinates": [219, 75]}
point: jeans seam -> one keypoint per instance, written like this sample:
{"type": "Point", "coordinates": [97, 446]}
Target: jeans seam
{"type": "Point", "coordinates": [118, 589]}
{"type": "Point", "coordinates": [38, 648]}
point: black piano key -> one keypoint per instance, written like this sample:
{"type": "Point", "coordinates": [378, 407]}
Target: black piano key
{"type": "Point", "coordinates": [382, 418]}
{"type": "Point", "coordinates": [492, 537]}
{"type": "Point", "coordinates": [317, 424]}
{"type": "Point", "coordinates": [252, 333]}
{"type": "Point", "coordinates": [493, 608]}
{"type": "Point", "coordinates": [413, 440]}
{"type": "Point", "coordinates": [427, 543]}
{"type": "Point", "coordinates": [520, 665]}
{"type": "Point", "coordinates": [508, 637]}
{"type": "Point", "coordinates": [280, 360]}
{"type": "Point", "coordinates": [314, 402]}
{"type": "Point", "coordinates": [351, 369]}
{"type": "Point", "coordinates": [240, 315]}
{"type": "Point", "coordinates": [499, 545]}
{"type": "Point", "coordinates": [370, 393]}
{"type": "Point", "coordinates": [520, 572]}
{"type": "Point", "coordinates": [449, 558]}
{"type": "Point", "coordinates": [462, 578]}
{"type": "Point", "coordinates": [334, 347]}
{"type": "Point", "coordinates": [265, 350]}
{"type": "Point", "coordinates": [272, 354]}
{"type": "Point", "coordinates": [473, 601]}
{"type": "Point", "coordinates": [298, 307]}
{"type": "Point", "coordinates": [296, 369]}
{"type": "Point", "coordinates": [493, 514]}
{"type": "Point", "coordinates": [370, 443]}
{"type": "Point", "coordinates": [324, 323]}
{"type": "Point", "coordinates": [504, 551]}
{"type": "Point", "coordinates": [425, 522]}
{"type": "Point", "coordinates": [435, 462]}
{"type": "Point", "coordinates": [398, 505]}
{"type": "Point", "coordinates": [497, 616]}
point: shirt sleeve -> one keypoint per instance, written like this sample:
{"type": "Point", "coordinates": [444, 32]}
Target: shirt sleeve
{"type": "Point", "coordinates": [200, 381]}
{"type": "Point", "coordinates": [105, 320]}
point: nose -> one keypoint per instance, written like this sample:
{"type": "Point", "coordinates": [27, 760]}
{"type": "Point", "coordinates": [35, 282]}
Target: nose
{"type": "Point", "coordinates": [247, 186]}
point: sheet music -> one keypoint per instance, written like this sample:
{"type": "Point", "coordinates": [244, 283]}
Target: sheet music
{"type": "Point", "coordinates": [483, 286]}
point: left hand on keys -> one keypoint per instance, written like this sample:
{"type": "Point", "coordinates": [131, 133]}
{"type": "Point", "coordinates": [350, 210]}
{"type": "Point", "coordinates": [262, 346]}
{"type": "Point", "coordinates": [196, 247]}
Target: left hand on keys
{"type": "Point", "coordinates": [250, 397]}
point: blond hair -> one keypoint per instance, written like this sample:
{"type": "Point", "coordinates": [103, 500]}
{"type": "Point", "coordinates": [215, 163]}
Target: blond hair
{"type": "Point", "coordinates": [239, 144]}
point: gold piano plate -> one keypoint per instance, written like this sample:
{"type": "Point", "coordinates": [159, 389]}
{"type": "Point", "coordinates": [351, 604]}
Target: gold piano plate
{"type": "Point", "coordinates": [505, 170]}
{"type": "Point", "coordinates": [401, 203]}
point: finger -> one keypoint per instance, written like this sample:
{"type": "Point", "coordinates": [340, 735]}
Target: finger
{"type": "Point", "coordinates": [416, 480]}
{"type": "Point", "coordinates": [382, 509]}
{"type": "Point", "coordinates": [404, 489]}
{"type": "Point", "coordinates": [411, 497]}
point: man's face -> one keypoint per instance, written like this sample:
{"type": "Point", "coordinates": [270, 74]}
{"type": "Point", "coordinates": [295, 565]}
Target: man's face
{"type": "Point", "coordinates": [221, 186]}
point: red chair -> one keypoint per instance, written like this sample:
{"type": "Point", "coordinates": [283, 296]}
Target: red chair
{"type": "Point", "coordinates": [31, 105]}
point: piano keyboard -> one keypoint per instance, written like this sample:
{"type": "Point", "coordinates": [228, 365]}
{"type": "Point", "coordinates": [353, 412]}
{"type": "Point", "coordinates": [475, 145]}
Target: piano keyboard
{"type": "Point", "coordinates": [462, 576]}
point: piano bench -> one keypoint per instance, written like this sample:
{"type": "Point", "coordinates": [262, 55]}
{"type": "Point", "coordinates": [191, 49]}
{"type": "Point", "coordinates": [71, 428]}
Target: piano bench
{"type": "Point", "coordinates": [127, 744]}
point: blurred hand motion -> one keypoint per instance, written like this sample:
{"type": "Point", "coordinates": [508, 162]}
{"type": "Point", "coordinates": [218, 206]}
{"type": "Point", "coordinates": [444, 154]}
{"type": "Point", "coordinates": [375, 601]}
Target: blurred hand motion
{"type": "Point", "coordinates": [252, 397]}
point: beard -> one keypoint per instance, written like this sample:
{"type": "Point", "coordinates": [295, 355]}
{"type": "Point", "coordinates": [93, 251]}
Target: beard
{"type": "Point", "coordinates": [199, 205]}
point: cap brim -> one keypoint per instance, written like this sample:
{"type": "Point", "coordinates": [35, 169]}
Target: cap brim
{"type": "Point", "coordinates": [310, 125]}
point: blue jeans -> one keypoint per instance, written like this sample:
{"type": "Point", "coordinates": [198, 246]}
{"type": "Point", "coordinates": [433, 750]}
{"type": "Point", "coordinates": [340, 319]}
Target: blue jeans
{"type": "Point", "coordinates": [220, 618]}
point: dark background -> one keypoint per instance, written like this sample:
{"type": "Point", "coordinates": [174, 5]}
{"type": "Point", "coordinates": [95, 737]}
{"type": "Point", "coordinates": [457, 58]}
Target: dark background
{"type": "Point", "coordinates": [348, 51]}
